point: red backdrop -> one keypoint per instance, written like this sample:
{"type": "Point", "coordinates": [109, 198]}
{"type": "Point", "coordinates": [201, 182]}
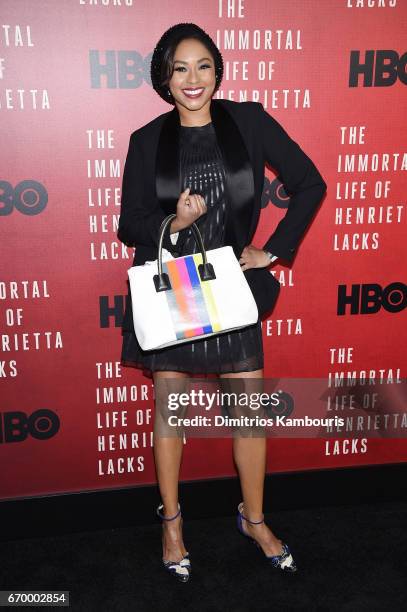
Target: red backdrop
{"type": "Point", "coordinates": [65, 132]}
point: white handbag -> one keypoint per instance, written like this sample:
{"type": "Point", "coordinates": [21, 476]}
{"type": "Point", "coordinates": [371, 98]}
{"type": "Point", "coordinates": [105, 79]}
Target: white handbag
{"type": "Point", "coordinates": [188, 298]}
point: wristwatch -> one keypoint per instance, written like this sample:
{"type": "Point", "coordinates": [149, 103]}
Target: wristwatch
{"type": "Point", "coordinates": [271, 257]}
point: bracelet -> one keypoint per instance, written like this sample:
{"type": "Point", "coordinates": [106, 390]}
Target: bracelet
{"type": "Point", "coordinates": [271, 256]}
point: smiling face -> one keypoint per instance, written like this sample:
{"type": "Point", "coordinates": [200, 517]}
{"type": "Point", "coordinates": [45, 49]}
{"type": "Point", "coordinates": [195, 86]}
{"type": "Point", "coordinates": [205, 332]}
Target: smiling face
{"type": "Point", "coordinates": [193, 80]}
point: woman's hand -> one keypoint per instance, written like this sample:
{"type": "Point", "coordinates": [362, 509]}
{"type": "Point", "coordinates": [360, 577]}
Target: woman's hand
{"type": "Point", "coordinates": [252, 257]}
{"type": "Point", "coordinates": [189, 208]}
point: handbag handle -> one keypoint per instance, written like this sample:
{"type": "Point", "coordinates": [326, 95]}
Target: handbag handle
{"type": "Point", "coordinates": [205, 269]}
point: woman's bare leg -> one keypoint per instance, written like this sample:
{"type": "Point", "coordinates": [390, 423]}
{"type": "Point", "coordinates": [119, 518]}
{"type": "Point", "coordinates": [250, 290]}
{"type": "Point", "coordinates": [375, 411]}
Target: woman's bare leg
{"type": "Point", "coordinates": [167, 456]}
{"type": "Point", "coordinates": [250, 454]}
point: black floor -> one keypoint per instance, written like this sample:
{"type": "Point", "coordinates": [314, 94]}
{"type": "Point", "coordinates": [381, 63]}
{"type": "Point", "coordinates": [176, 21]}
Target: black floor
{"type": "Point", "coordinates": [350, 558]}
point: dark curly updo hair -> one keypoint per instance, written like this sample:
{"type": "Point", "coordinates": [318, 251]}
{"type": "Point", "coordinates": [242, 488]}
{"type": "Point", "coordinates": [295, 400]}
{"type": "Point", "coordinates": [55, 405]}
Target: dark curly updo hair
{"type": "Point", "coordinates": [162, 62]}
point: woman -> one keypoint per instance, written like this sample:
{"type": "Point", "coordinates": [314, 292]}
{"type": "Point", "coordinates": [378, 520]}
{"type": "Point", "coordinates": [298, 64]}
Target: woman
{"type": "Point", "coordinates": [204, 161]}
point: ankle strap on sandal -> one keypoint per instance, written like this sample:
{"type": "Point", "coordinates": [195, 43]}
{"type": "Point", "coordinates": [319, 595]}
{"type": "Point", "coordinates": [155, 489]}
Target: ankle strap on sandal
{"type": "Point", "coordinates": [165, 518]}
{"type": "Point", "coordinates": [240, 508]}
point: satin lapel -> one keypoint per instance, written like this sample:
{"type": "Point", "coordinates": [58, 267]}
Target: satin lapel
{"type": "Point", "coordinates": [238, 171]}
{"type": "Point", "coordinates": [167, 173]}
{"type": "Point", "coordinates": [239, 177]}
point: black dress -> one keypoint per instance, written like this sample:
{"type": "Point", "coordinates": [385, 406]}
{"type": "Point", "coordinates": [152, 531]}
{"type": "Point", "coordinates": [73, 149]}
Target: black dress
{"type": "Point", "coordinates": [237, 351]}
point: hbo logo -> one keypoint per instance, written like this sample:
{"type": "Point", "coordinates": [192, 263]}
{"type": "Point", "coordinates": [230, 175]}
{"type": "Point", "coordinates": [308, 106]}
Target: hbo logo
{"type": "Point", "coordinates": [17, 426]}
{"type": "Point", "coordinates": [28, 197]}
{"type": "Point", "coordinates": [371, 297]}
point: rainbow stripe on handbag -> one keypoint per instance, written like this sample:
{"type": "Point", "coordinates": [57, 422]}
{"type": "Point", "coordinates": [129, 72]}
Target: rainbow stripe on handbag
{"type": "Point", "coordinates": [190, 300]}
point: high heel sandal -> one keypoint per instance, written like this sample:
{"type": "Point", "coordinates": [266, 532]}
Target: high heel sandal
{"type": "Point", "coordinates": [283, 561]}
{"type": "Point", "coordinates": [180, 569]}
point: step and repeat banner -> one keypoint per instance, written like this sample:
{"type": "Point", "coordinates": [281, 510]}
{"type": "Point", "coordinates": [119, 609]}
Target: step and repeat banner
{"type": "Point", "coordinates": [74, 84]}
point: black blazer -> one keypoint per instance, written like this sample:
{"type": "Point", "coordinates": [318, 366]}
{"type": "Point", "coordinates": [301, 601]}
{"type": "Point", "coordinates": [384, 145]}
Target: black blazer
{"type": "Point", "coordinates": [248, 137]}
